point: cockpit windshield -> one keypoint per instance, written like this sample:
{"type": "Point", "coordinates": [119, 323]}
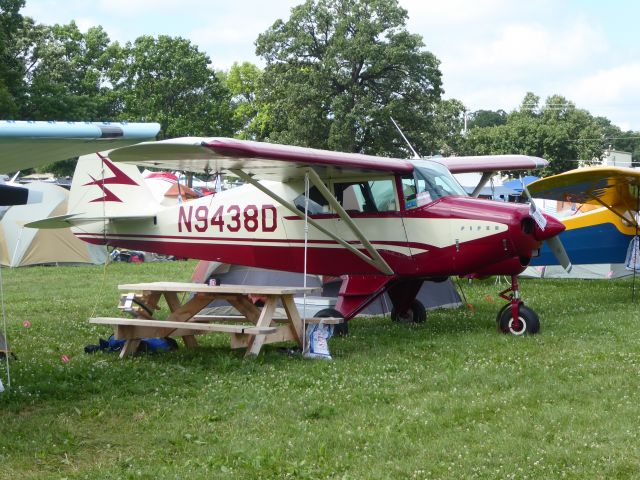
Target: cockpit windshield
{"type": "Point", "coordinates": [430, 181]}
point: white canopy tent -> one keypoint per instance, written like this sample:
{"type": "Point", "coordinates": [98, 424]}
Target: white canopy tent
{"type": "Point", "coordinates": [21, 246]}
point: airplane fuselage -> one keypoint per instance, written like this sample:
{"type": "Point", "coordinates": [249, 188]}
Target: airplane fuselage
{"type": "Point", "coordinates": [453, 235]}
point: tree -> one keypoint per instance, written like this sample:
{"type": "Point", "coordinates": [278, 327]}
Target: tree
{"type": "Point", "coordinates": [11, 65]}
{"type": "Point", "coordinates": [167, 80]}
{"type": "Point", "coordinates": [242, 82]}
{"type": "Point", "coordinates": [486, 118]}
{"type": "Point", "coordinates": [337, 70]}
{"type": "Point", "coordinates": [616, 139]}
{"type": "Point", "coordinates": [556, 131]}
{"type": "Point", "coordinates": [67, 75]}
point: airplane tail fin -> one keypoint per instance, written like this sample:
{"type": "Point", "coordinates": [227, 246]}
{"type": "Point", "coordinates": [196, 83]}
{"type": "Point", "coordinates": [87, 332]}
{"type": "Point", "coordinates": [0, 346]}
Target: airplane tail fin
{"type": "Point", "coordinates": [103, 191]}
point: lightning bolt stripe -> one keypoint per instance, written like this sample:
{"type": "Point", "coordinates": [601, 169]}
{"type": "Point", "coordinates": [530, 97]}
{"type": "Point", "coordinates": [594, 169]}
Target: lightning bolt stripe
{"type": "Point", "coordinates": [118, 178]}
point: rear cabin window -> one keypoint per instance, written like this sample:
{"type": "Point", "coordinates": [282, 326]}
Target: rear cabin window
{"type": "Point", "coordinates": [317, 203]}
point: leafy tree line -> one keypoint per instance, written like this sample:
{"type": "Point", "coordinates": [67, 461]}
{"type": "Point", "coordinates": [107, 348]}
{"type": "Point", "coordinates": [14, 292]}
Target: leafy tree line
{"type": "Point", "coordinates": [335, 72]}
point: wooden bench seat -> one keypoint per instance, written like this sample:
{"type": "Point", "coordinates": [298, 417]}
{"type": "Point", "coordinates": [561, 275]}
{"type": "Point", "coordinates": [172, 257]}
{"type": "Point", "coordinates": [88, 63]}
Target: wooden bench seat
{"type": "Point", "coordinates": [231, 318]}
{"type": "Point", "coordinates": [208, 327]}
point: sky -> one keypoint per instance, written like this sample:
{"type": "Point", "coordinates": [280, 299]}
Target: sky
{"type": "Point", "coordinates": [492, 52]}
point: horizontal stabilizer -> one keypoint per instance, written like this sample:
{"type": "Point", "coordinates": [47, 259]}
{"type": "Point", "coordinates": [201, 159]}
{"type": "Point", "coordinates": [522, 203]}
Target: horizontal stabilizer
{"type": "Point", "coordinates": [72, 220]}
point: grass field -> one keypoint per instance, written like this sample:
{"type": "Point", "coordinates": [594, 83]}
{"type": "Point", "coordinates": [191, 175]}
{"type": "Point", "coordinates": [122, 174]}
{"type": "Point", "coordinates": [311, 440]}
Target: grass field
{"type": "Point", "coordinates": [448, 399]}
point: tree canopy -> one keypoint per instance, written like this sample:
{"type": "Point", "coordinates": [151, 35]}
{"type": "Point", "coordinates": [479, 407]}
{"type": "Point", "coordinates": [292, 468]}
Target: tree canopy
{"type": "Point", "coordinates": [555, 130]}
{"type": "Point", "coordinates": [11, 63]}
{"type": "Point", "coordinates": [335, 73]}
{"type": "Point", "coordinates": [168, 80]}
{"type": "Point", "coordinates": [338, 70]}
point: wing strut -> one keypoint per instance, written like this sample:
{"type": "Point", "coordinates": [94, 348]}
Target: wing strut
{"type": "Point", "coordinates": [615, 212]}
{"type": "Point", "coordinates": [377, 261]}
{"type": "Point", "coordinates": [483, 181]}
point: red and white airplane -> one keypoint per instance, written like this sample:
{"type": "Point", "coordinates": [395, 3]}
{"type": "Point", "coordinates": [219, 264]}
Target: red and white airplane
{"type": "Point", "coordinates": [382, 224]}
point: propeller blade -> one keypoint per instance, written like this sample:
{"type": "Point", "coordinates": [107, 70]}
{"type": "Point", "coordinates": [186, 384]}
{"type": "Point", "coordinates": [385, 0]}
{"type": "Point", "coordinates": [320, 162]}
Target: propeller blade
{"type": "Point", "coordinates": [533, 208]}
{"type": "Point", "coordinates": [555, 244]}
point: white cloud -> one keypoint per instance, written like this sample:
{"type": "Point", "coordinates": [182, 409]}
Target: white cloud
{"type": "Point", "coordinates": [151, 8]}
{"type": "Point", "coordinates": [613, 93]}
{"type": "Point", "coordinates": [520, 49]}
{"type": "Point", "coordinates": [85, 23]}
{"type": "Point", "coordinates": [611, 86]}
{"type": "Point", "coordinates": [457, 13]}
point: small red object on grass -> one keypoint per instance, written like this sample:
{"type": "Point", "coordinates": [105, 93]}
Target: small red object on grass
{"type": "Point", "coordinates": [26, 324]}
{"type": "Point", "coordinates": [65, 359]}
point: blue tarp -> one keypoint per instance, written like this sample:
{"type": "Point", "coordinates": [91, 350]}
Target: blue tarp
{"type": "Point", "coordinates": [516, 184]}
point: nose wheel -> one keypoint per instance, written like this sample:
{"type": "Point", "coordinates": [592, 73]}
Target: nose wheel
{"type": "Point", "coordinates": [515, 318]}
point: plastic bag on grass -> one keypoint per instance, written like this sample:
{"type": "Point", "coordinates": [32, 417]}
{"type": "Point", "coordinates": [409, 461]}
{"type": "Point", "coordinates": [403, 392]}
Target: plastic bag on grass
{"type": "Point", "coordinates": [316, 344]}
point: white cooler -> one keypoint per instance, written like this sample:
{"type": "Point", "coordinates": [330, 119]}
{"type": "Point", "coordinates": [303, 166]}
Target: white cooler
{"type": "Point", "coordinates": [314, 305]}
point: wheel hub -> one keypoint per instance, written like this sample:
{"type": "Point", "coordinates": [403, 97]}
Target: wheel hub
{"type": "Point", "coordinates": [406, 317]}
{"type": "Point", "coordinates": [517, 326]}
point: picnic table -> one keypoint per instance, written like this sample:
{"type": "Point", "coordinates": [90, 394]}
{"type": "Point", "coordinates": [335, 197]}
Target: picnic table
{"type": "Point", "coordinates": [258, 325]}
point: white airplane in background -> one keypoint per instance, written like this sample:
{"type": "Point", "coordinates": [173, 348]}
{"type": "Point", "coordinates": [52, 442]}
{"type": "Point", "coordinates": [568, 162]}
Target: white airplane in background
{"type": "Point", "coordinates": [28, 144]}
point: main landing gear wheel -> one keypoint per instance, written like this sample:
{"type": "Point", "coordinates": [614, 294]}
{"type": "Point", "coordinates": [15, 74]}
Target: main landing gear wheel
{"type": "Point", "coordinates": [340, 329]}
{"type": "Point", "coordinates": [415, 314]}
{"type": "Point", "coordinates": [526, 323]}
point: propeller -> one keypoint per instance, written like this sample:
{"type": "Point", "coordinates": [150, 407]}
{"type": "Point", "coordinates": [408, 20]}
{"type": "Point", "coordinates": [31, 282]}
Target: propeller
{"type": "Point", "coordinates": [555, 244]}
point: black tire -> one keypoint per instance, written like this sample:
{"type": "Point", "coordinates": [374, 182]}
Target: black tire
{"type": "Point", "coordinates": [501, 311]}
{"type": "Point", "coordinates": [438, 279]}
{"type": "Point", "coordinates": [528, 321]}
{"type": "Point", "coordinates": [416, 313]}
{"type": "Point", "coordinates": [340, 329]}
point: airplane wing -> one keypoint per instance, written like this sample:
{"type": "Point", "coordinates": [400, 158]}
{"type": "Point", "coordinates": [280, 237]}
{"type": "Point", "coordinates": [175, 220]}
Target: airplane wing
{"type": "Point", "coordinates": [282, 162]}
{"type": "Point", "coordinates": [259, 159]}
{"type": "Point", "coordinates": [491, 163]}
{"type": "Point", "coordinates": [604, 186]}
{"type": "Point", "coordinates": [26, 144]}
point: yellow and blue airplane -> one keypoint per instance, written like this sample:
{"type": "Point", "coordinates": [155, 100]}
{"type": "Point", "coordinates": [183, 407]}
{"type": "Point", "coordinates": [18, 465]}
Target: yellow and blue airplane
{"type": "Point", "coordinates": [602, 235]}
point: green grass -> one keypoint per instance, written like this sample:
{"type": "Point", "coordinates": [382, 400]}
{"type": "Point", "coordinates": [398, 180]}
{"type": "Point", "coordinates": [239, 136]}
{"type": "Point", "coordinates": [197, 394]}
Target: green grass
{"type": "Point", "coordinates": [448, 399]}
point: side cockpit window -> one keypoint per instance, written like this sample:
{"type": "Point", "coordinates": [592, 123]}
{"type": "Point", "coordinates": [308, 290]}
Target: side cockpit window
{"type": "Point", "coordinates": [317, 203]}
{"type": "Point", "coordinates": [429, 181]}
{"type": "Point", "coordinates": [355, 196]}
{"type": "Point", "coordinates": [417, 191]}
{"type": "Point", "coordinates": [366, 196]}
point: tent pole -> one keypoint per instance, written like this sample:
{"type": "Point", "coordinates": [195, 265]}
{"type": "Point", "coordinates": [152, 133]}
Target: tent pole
{"type": "Point", "coordinates": [634, 254]}
{"type": "Point", "coordinates": [304, 275]}
{"type": "Point", "coordinates": [4, 330]}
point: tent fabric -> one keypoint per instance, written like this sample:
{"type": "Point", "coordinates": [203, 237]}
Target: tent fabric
{"type": "Point", "coordinates": [432, 294]}
{"type": "Point", "coordinates": [186, 192]}
{"type": "Point", "coordinates": [164, 187]}
{"type": "Point", "coordinates": [20, 246]}
{"type": "Point", "coordinates": [589, 272]}
{"type": "Point", "coordinates": [516, 184]}
{"type": "Point", "coordinates": [496, 190]}
{"type": "Point", "coordinates": [227, 274]}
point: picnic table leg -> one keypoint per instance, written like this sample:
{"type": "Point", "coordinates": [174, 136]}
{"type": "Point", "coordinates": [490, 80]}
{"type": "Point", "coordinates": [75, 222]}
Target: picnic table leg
{"type": "Point", "coordinates": [295, 322]}
{"type": "Point", "coordinates": [266, 316]}
{"type": "Point", "coordinates": [150, 299]}
{"type": "Point", "coordinates": [177, 309]}
{"type": "Point", "coordinates": [130, 344]}
{"type": "Point", "coordinates": [129, 348]}
{"type": "Point", "coordinates": [245, 307]}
